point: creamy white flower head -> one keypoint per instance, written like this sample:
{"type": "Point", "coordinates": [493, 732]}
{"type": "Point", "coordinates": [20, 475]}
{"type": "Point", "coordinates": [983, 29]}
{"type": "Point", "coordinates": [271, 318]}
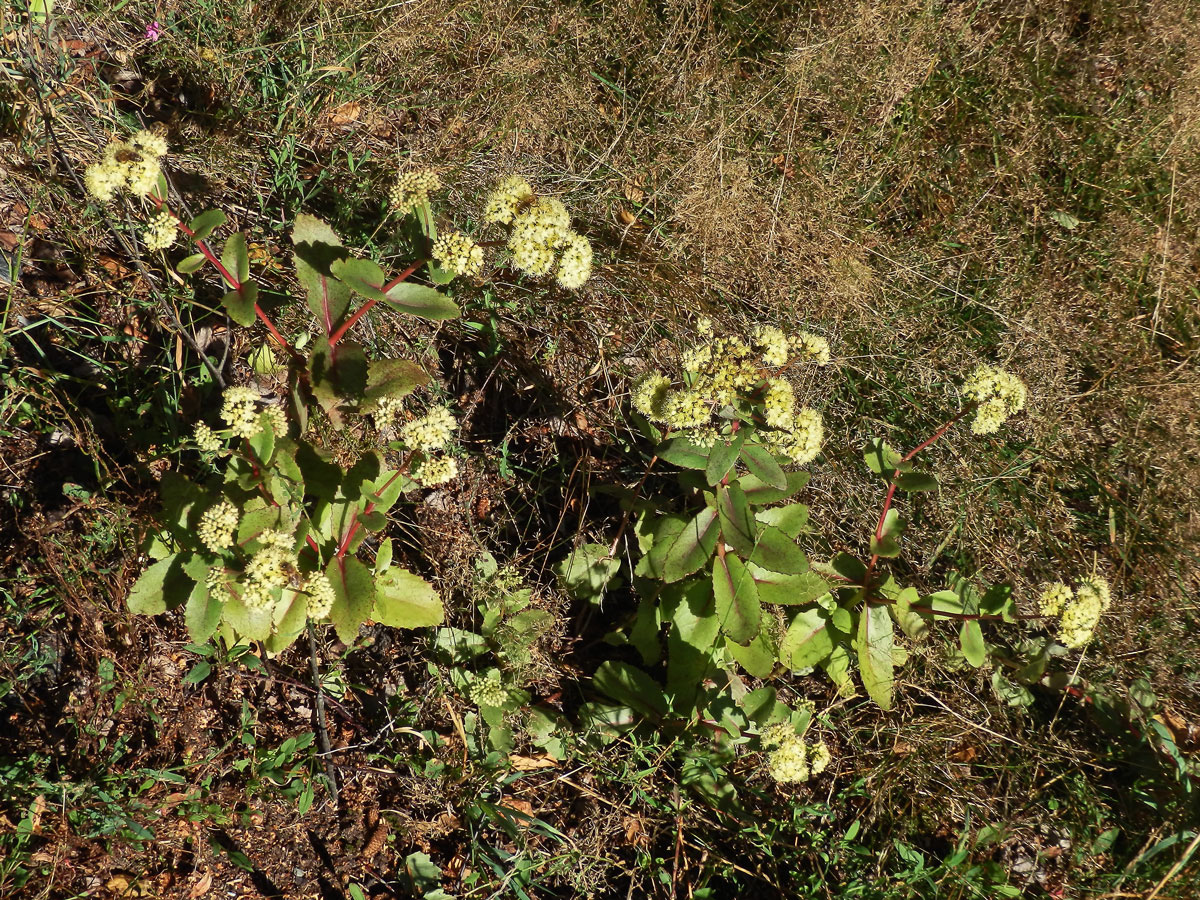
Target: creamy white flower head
{"type": "Point", "coordinates": [811, 346]}
{"type": "Point", "coordinates": [435, 471]}
{"type": "Point", "coordinates": [819, 758]}
{"type": "Point", "coordinates": [320, 596]}
{"type": "Point", "coordinates": [506, 199]}
{"type": "Point", "coordinates": [457, 253]}
{"type": "Point", "coordinates": [413, 188]}
{"type": "Point", "coordinates": [430, 432]}
{"type": "Point", "coordinates": [240, 411]}
{"type": "Point", "coordinates": [148, 143]}
{"type": "Point", "coordinates": [488, 690]}
{"type": "Point", "coordinates": [105, 178]}
{"type": "Point", "coordinates": [802, 444]}
{"type": "Point", "coordinates": [538, 231]}
{"type": "Point", "coordinates": [575, 264]}
{"type": "Point", "coordinates": [160, 232]}
{"type": "Point", "coordinates": [131, 165]}
{"type": "Point", "coordinates": [686, 409]}
{"type": "Point", "coordinates": [999, 394]}
{"type": "Point", "coordinates": [705, 437]}
{"type": "Point", "coordinates": [779, 404]}
{"type": "Point", "coordinates": [1054, 597]}
{"type": "Point", "coordinates": [648, 395]}
{"type": "Point", "coordinates": [216, 527]}
{"type": "Point", "coordinates": [206, 439]}
{"type": "Point", "coordinates": [268, 568]}
{"type": "Point", "coordinates": [773, 344]}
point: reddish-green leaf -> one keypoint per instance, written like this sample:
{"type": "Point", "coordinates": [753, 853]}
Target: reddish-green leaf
{"type": "Point", "coordinates": [693, 547]}
{"type": "Point", "coordinates": [736, 594]}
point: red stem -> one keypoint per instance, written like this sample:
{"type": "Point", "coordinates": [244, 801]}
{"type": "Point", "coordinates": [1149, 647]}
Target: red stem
{"type": "Point", "coordinates": [236, 285]}
{"type": "Point", "coordinates": [366, 307]}
{"type": "Point", "coordinates": [367, 510]}
{"type": "Point", "coordinates": [891, 491]}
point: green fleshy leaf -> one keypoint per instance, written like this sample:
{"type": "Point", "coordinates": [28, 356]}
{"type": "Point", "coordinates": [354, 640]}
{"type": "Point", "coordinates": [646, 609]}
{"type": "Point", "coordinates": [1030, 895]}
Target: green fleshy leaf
{"type": "Point", "coordinates": [203, 614]}
{"type": "Point", "coordinates": [889, 544]}
{"type": "Point", "coordinates": [875, 660]}
{"type": "Point", "coordinates": [204, 224]}
{"type": "Point", "coordinates": [317, 248]}
{"type": "Point", "coordinates": [694, 629]}
{"type": "Point", "coordinates": [763, 465]}
{"type": "Point", "coordinates": [683, 453]}
{"type": "Point", "coordinates": [788, 590]}
{"type": "Point", "coordinates": [236, 258]}
{"type": "Point", "coordinates": [354, 596]}
{"type": "Point", "coordinates": [723, 457]}
{"type": "Point", "coordinates": [240, 303]}
{"type": "Point", "coordinates": [361, 275]}
{"type": "Point", "coordinates": [758, 657]}
{"type": "Point", "coordinates": [693, 547]}
{"type": "Point", "coordinates": [190, 264]}
{"type": "Point", "coordinates": [974, 648]}
{"type": "Point", "coordinates": [792, 519]}
{"type": "Point", "coordinates": [916, 481]}
{"type": "Point", "coordinates": [391, 379]}
{"type": "Point", "coordinates": [587, 571]}
{"type": "Point", "coordinates": [406, 600]}
{"type": "Point", "coordinates": [759, 492]}
{"type": "Point", "coordinates": [737, 524]}
{"type": "Point", "coordinates": [807, 640]}
{"type": "Point", "coordinates": [777, 552]}
{"type": "Point", "coordinates": [422, 301]}
{"type": "Point", "coordinates": [737, 602]}
{"type": "Point", "coordinates": [632, 687]}
{"type": "Point", "coordinates": [161, 587]}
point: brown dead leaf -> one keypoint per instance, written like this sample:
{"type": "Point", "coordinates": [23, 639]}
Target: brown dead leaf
{"type": "Point", "coordinates": [35, 814]}
{"type": "Point", "coordinates": [531, 763]}
{"type": "Point", "coordinates": [524, 807]}
{"type": "Point", "coordinates": [625, 216]}
{"type": "Point", "coordinates": [9, 241]}
{"type": "Point", "coordinates": [345, 114]}
{"type": "Point", "coordinates": [965, 754]}
{"type": "Point", "coordinates": [633, 191]}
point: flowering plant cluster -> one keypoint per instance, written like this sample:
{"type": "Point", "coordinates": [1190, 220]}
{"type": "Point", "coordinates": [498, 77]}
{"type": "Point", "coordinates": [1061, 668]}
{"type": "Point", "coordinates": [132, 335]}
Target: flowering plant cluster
{"type": "Point", "coordinates": [724, 586]}
{"type": "Point", "coordinates": [272, 542]}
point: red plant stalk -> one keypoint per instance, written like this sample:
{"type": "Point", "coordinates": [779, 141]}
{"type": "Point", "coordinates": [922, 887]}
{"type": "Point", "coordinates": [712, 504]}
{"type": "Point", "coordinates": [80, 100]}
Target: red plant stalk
{"type": "Point", "coordinates": [233, 283]}
{"type": "Point", "coordinates": [367, 510]}
{"type": "Point", "coordinates": [891, 491]}
{"type": "Point", "coordinates": [336, 336]}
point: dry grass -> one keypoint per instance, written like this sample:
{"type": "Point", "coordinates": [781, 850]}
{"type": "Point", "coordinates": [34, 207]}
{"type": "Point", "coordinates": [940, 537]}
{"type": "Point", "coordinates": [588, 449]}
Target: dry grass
{"type": "Point", "coordinates": [901, 176]}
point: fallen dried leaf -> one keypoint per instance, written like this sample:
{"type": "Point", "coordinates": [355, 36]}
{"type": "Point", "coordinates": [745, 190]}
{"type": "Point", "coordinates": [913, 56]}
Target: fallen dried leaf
{"type": "Point", "coordinates": [531, 763]}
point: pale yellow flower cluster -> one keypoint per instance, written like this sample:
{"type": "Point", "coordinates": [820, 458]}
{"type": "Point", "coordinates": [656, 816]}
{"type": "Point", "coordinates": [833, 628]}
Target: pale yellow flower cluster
{"type": "Point", "coordinates": [488, 690]}
{"type": "Point", "coordinates": [1079, 611]}
{"type": "Point", "coordinates": [432, 431]}
{"type": "Point", "coordinates": [801, 442]}
{"type": "Point", "coordinates": [385, 414]}
{"type": "Point", "coordinates": [999, 394]}
{"type": "Point", "coordinates": [215, 530]}
{"type": "Point", "coordinates": [575, 263]}
{"type": "Point", "coordinates": [457, 253]}
{"type": "Point", "coordinates": [160, 232]}
{"type": "Point", "coordinates": [435, 471]}
{"type": "Point", "coordinates": [206, 439]}
{"type": "Point", "coordinates": [268, 569]}
{"type": "Point", "coordinates": [720, 370]}
{"type": "Point", "coordinates": [278, 420]}
{"type": "Point", "coordinates": [240, 411]}
{"type": "Point", "coordinates": [320, 596]}
{"type": "Point", "coordinates": [130, 165]}
{"type": "Point", "coordinates": [507, 199]}
{"type": "Point", "coordinates": [541, 237]}
{"type": "Point", "coordinates": [413, 188]}
{"type": "Point", "coordinates": [791, 760]}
